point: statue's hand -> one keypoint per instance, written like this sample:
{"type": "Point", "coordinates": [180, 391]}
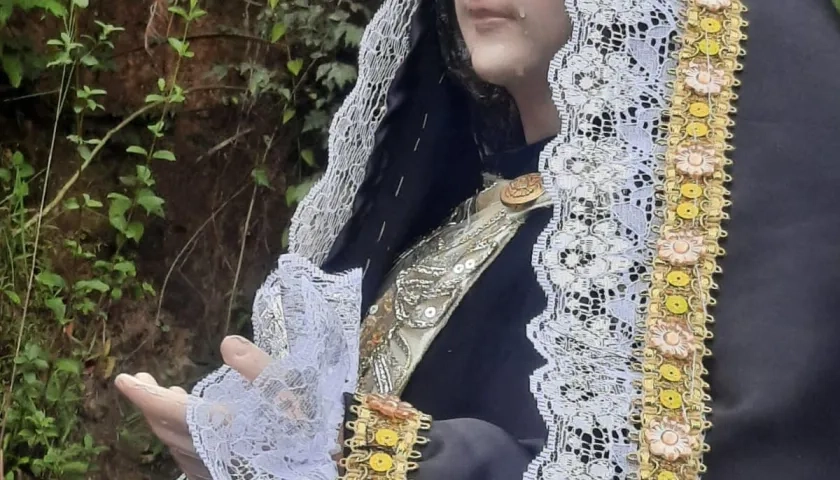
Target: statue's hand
{"type": "Point", "coordinates": [165, 409]}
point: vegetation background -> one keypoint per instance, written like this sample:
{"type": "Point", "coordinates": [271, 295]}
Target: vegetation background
{"type": "Point", "coordinates": [151, 154]}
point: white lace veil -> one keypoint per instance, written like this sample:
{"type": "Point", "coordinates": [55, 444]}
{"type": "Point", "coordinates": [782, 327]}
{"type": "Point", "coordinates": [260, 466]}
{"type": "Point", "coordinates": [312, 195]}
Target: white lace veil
{"type": "Point", "coordinates": [611, 87]}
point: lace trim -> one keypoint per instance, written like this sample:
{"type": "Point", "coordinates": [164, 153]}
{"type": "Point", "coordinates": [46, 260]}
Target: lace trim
{"type": "Point", "coordinates": [674, 398]}
{"type": "Point", "coordinates": [611, 87]}
{"type": "Point", "coordinates": [386, 434]}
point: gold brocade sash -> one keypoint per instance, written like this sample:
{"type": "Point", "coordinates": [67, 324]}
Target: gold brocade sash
{"type": "Point", "coordinates": [674, 403]}
{"type": "Point", "coordinates": [429, 281]}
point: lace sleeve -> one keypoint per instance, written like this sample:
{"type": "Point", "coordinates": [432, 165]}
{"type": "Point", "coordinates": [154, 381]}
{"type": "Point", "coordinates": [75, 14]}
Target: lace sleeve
{"type": "Point", "coordinates": [285, 424]}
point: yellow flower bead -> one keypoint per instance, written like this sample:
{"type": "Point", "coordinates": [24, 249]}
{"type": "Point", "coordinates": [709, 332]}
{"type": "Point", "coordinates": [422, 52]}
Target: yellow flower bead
{"type": "Point", "coordinates": [666, 475]}
{"type": "Point", "coordinates": [697, 129]}
{"type": "Point", "coordinates": [709, 47]}
{"type": "Point", "coordinates": [670, 373]}
{"type": "Point", "coordinates": [676, 304]}
{"type": "Point", "coordinates": [691, 190]}
{"type": "Point", "coordinates": [699, 109]}
{"type": "Point", "coordinates": [386, 437]}
{"type": "Point", "coordinates": [710, 25]}
{"type": "Point", "coordinates": [687, 211]}
{"type": "Point", "coordinates": [381, 462]}
{"type": "Point", "coordinates": [670, 399]}
{"type": "Point", "coordinates": [678, 279]}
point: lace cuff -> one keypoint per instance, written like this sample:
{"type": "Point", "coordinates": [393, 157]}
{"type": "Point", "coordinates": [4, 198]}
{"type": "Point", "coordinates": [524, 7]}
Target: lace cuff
{"type": "Point", "coordinates": [384, 437]}
{"type": "Point", "coordinates": [285, 424]}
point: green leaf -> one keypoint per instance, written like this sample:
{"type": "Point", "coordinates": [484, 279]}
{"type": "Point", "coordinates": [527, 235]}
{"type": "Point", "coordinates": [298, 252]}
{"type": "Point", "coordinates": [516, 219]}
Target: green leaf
{"type": "Point", "coordinates": [837, 5]}
{"type": "Point", "coordinates": [291, 195]}
{"type": "Point", "coordinates": [119, 204]}
{"type": "Point", "coordinates": [134, 231]}
{"type": "Point", "coordinates": [273, 3]}
{"type": "Point", "coordinates": [126, 268]}
{"type": "Point", "coordinates": [178, 45]}
{"type": "Point", "coordinates": [84, 152]}
{"type": "Point", "coordinates": [154, 98]}
{"type": "Point", "coordinates": [68, 365]}
{"type": "Point", "coordinates": [259, 176]}
{"type": "Point", "coordinates": [178, 11]}
{"type": "Point", "coordinates": [308, 157]}
{"type": "Point", "coordinates": [14, 297]}
{"type": "Point", "coordinates": [148, 289]}
{"type": "Point", "coordinates": [71, 204]}
{"type": "Point", "coordinates": [150, 202]}
{"type": "Point", "coordinates": [5, 175]}
{"type": "Point", "coordinates": [50, 279]}
{"type": "Point", "coordinates": [137, 150]}
{"type": "Point", "coordinates": [81, 3]}
{"type": "Point", "coordinates": [288, 115]}
{"type": "Point", "coordinates": [56, 305]}
{"type": "Point", "coordinates": [164, 155]}
{"type": "Point", "coordinates": [277, 32]}
{"type": "Point", "coordinates": [89, 61]}
{"type": "Point", "coordinates": [91, 285]}
{"type": "Point", "coordinates": [13, 67]}
{"type": "Point", "coordinates": [294, 66]}
{"type": "Point", "coordinates": [316, 120]}
{"type": "Point", "coordinates": [90, 202]}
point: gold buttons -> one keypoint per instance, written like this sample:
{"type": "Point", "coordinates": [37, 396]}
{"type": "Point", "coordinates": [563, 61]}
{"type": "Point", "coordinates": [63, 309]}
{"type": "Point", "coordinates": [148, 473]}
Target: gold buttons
{"type": "Point", "coordinates": [710, 25]}
{"type": "Point", "coordinates": [381, 462]}
{"type": "Point", "coordinates": [386, 437]}
{"type": "Point", "coordinates": [699, 109]}
{"type": "Point", "coordinates": [687, 211]}
{"type": "Point", "coordinates": [678, 279]}
{"type": "Point", "coordinates": [670, 373]}
{"type": "Point", "coordinates": [697, 129]}
{"type": "Point", "coordinates": [676, 304]}
{"type": "Point", "coordinates": [691, 190]}
{"type": "Point", "coordinates": [670, 399]}
{"type": "Point", "coordinates": [709, 47]}
{"type": "Point", "coordinates": [523, 190]}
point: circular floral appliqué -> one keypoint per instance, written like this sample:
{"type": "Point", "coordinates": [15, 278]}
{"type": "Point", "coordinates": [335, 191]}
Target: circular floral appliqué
{"type": "Point", "coordinates": [715, 5]}
{"type": "Point", "coordinates": [696, 160]}
{"type": "Point", "coordinates": [391, 407]}
{"type": "Point", "coordinates": [680, 248]}
{"type": "Point", "coordinates": [704, 78]}
{"type": "Point", "coordinates": [669, 439]}
{"type": "Point", "coordinates": [672, 340]}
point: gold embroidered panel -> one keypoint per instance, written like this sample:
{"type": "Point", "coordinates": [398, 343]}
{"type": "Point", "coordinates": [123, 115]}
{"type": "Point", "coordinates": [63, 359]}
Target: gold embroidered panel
{"type": "Point", "coordinates": [674, 404]}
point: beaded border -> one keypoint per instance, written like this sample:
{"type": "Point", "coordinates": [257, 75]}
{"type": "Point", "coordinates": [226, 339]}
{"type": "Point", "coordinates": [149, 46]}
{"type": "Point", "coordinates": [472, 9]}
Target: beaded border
{"type": "Point", "coordinates": [674, 403]}
{"type": "Point", "coordinates": [385, 437]}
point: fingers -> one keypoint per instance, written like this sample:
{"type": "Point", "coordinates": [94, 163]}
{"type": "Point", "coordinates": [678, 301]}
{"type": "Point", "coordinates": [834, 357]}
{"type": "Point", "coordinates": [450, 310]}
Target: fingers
{"type": "Point", "coordinates": [190, 464]}
{"type": "Point", "coordinates": [178, 389]}
{"type": "Point", "coordinates": [161, 405]}
{"type": "Point", "coordinates": [244, 357]}
{"type": "Point", "coordinates": [146, 378]}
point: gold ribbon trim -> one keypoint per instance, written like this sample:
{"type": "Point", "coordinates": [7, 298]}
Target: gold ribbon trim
{"type": "Point", "coordinates": [674, 403]}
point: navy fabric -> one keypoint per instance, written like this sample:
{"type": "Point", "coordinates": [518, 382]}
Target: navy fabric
{"type": "Point", "coordinates": [775, 370]}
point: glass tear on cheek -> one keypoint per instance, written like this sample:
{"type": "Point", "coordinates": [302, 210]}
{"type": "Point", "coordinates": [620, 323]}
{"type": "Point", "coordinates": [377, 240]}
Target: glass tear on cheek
{"type": "Point", "coordinates": [522, 12]}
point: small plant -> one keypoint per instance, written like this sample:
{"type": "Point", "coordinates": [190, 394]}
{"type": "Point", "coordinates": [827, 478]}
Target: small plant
{"type": "Point", "coordinates": [60, 316]}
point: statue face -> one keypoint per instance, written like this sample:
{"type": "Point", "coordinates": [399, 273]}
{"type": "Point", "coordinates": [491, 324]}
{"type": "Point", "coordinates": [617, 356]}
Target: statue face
{"type": "Point", "coordinates": [512, 41]}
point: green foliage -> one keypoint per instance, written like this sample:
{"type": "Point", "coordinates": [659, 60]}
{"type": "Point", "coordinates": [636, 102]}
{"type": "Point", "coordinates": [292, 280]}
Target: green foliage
{"type": "Point", "coordinates": [307, 66]}
{"type": "Point", "coordinates": [41, 429]}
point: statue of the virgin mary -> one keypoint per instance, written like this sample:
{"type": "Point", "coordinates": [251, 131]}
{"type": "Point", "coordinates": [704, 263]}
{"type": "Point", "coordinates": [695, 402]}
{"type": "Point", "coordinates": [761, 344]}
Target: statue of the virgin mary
{"type": "Point", "coordinates": [510, 265]}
